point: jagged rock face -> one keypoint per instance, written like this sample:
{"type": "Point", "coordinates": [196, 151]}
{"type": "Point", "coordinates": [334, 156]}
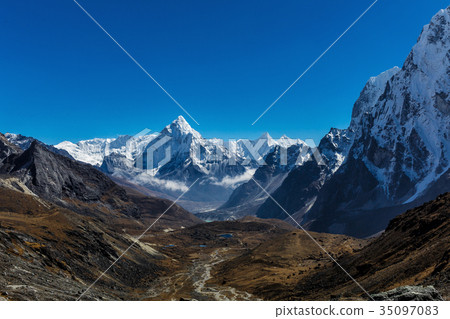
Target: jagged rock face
{"type": "Point", "coordinates": [334, 148]}
{"type": "Point", "coordinates": [371, 93]}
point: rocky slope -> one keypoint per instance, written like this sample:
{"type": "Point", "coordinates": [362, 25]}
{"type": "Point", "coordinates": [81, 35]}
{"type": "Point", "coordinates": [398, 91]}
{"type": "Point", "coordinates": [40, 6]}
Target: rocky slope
{"type": "Point", "coordinates": [80, 187]}
{"type": "Point", "coordinates": [51, 253]}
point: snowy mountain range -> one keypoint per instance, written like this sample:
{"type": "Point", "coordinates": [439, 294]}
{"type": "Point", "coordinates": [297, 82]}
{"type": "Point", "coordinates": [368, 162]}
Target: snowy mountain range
{"type": "Point", "coordinates": [170, 161]}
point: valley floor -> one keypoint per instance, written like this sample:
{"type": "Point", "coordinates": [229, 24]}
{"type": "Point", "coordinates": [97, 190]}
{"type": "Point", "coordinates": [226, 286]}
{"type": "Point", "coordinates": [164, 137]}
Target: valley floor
{"type": "Point", "coordinates": [55, 254]}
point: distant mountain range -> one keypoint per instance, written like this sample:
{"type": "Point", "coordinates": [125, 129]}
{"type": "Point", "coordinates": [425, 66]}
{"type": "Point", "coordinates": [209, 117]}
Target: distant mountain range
{"type": "Point", "coordinates": [219, 165]}
{"type": "Point", "coordinates": [181, 155]}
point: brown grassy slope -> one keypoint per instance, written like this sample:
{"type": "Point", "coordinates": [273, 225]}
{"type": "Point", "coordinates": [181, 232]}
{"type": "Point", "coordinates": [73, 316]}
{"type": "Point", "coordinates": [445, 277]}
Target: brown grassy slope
{"type": "Point", "coordinates": [414, 250]}
{"type": "Point", "coordinates": [277, 264]}
{"type": "Point", "coordinates": [150, 208]}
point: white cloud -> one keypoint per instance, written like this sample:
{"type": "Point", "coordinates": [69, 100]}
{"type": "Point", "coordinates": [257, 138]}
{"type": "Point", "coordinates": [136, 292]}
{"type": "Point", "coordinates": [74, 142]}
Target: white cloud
{"type": "Point", "coordinates": [146, 178]}
{"type": "Point", "coordinates": [234, 181]}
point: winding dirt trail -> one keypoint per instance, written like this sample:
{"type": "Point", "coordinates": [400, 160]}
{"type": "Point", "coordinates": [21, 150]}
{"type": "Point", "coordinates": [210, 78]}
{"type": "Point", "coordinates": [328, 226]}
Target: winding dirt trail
{"type": "Point", "coordinates": [201, 273]}
{"type": "Point", "coordinates": [193, 284]}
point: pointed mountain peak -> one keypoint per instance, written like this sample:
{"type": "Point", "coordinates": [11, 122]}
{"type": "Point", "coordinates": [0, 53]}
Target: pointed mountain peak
{"type": "Point", "coordinates": [36, 150]}
{"type": "Point", "coordinates": [180, 119]}
{"type": "Point", "coordinates": [3, 138]}
{"type": "Point", "coordinates": [181, 123]}
{"type": "Point", "coordinates": [265, 136]}
{"type": "Point", "coordinates": [180, 127]}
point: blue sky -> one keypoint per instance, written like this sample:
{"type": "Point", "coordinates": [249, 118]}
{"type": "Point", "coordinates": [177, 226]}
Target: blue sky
{"type": "Point", "coordinates": [225, 61]}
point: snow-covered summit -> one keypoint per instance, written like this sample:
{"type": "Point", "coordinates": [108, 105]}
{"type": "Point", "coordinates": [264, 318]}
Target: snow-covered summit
{"type": "Point", "coordinates": [180, 127]}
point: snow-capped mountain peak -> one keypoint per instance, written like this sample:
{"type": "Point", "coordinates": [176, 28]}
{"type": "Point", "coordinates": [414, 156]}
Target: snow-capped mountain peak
{"type": "Point", "coordinates": [178, 155]}
{"type": "Point", "coordinates": [180, 127]}
{"type": "Point", "coordinates": [265, 136]}
{"type": "Point", "coordinates": [285, 141]}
